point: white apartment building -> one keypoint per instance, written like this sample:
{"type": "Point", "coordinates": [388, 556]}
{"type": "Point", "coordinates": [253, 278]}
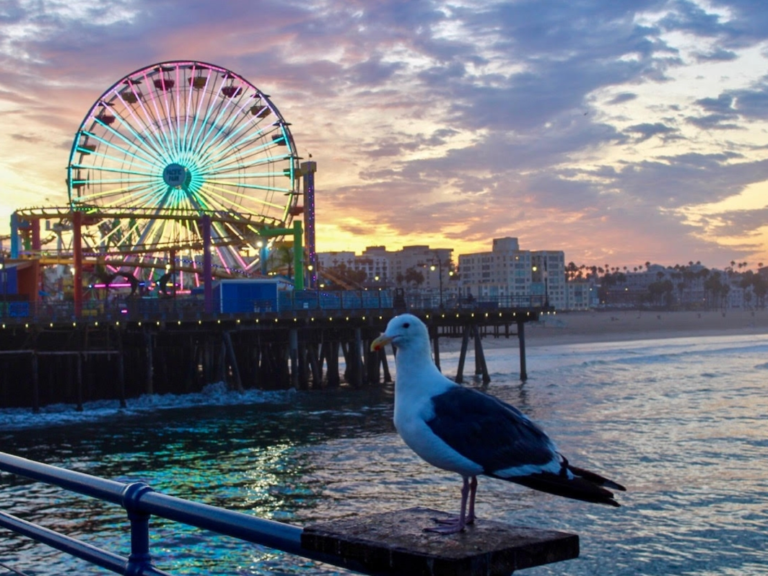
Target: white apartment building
{"type": "Point", "coordinates": [391, 267]}
{"type": "Point", "coordinates": [374, 264]}
{"type": "Point", "coordinates": [508, 272]}
{"type": "Point", "coordinates": [580, 295]}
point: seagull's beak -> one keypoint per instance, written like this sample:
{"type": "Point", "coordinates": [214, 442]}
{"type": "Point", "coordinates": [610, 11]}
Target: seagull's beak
{"type": "Point", "coordinates": [380, 342]}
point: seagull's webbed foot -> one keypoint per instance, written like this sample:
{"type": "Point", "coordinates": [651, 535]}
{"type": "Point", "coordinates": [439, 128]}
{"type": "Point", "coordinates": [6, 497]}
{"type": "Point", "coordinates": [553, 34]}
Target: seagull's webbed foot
{"type": "Point", "coordinates": [452, 525]}
{"type": "Point", "coordinates": [455, 524]}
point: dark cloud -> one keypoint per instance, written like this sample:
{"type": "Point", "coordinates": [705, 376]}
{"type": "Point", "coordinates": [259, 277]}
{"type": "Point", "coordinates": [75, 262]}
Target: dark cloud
{"type": "Point", "coordinates": [738, 222]}
{"type": "Point", "coordinates": [732, 106]}
{"type": "Point", "coordinates": [623, 97]}
{"type": "Point", "coordinates": [716, 55]}
{"type": "Point", "coordinates": [646, 131]}
{"type": "Point", "coordinates": [27, 138]}
{"type": "Point", "coordinates": [715, 122]}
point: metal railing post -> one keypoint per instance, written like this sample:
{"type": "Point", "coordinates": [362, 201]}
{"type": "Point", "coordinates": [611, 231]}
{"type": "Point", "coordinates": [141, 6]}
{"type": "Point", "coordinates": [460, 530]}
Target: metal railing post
{"type": "Point", "coordinates": [140, 557]}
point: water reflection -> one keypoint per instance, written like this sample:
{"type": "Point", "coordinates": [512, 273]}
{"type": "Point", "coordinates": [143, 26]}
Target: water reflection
{"type": "Point", "coordinates": [682, 424]}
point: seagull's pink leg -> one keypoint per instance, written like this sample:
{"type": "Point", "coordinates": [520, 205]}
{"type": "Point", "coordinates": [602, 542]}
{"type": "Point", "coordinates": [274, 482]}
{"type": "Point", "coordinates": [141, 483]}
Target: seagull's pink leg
{"type": "Point", "coordinates": [456, 524]}
{"type": "Point", "coordinates": [472, 493]}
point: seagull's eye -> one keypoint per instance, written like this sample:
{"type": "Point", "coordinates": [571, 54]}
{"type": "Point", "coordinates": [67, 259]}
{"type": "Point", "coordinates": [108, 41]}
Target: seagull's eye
{"type": "Point", "coordinates": [406, 325]}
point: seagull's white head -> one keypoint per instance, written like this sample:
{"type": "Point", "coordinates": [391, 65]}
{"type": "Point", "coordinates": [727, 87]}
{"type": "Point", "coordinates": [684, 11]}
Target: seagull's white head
{"type": "Point", "coordinates": [406, 332]}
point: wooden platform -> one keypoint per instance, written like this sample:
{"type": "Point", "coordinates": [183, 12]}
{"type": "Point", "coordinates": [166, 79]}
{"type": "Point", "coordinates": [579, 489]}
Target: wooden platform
{"type": "Point", "coordinates": [395, 543]}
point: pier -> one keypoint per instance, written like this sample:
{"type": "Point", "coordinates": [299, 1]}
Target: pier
{"type": "Point", "coordinates": [121, 353]}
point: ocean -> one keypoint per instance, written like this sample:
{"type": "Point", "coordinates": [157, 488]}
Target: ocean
{"type": "Point", "coordinates": [683, 423]}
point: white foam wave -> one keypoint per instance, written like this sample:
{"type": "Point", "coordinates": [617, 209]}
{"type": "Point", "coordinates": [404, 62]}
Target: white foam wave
{"type": "Point", "coordinates": [216, 394]}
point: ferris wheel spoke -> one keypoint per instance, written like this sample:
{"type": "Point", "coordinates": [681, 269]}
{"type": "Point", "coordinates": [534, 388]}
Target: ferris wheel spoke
{"type": "Point", "coordinates": [220, 131]}
{"type": "Point", "coordinates": [116, 195]}
{"type": "Point", "coordinates": [232, 145]}
{"type": "Point", "coordinates": [114, 170]}
{"type": "Point", "coordinates": [140, 202]}
{"type": "Point", "coordinates": [210, 202]}
{"type": "Point", "coordinates": [226, 160]}
{"type": "Point", "coordinates": [149, 159]}
{"type": "Point", "coordinates": [229, 175]}
{"type": "Point", "coordinates": [250, 187]}
{"type": "Point", "coordinates": [111, 192]}
{"type": "Point", "coordinates": [156, 118]}
{"type": "Point", "coordinates": [228, 200]}
{"type": "Point", "coordinates": [138, 138]}
{"type": "Point", "coordinates": [109, 157]}
{"type": "Point", "coordinates": [201, 97]}
{"type": "Point", "coordinates": [145, 127]}
{"type": "Point", "coordinates": [234, 164]}
{"type": "Point", "coordinates": [234, 158]}
{"type": "Point", "coordinates": [220, 107]}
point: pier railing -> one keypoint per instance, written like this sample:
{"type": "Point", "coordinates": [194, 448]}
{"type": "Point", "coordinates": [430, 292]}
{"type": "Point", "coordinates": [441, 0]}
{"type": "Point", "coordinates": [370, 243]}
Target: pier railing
{"type": "Point", "coordinates": [190, 308]}
{"type": "Point", "coordinates": [140, 503]}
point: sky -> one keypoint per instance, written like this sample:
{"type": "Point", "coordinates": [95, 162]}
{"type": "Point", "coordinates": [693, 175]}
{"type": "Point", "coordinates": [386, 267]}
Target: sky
{"type": "Point", "coordinates": [618, 131]}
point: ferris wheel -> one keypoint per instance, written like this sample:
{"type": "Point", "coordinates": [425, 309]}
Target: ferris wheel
{"type": "Point", "coordinates": [168, 144]}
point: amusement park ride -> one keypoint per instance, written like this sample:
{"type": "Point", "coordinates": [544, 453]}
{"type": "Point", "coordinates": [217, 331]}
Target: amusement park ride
{"type": "Point", "coordinates": [181, 172]}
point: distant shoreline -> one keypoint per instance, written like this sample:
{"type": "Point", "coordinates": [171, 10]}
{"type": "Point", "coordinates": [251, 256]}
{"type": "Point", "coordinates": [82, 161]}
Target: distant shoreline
{"type": "Point", "coordinates": [628, 325]}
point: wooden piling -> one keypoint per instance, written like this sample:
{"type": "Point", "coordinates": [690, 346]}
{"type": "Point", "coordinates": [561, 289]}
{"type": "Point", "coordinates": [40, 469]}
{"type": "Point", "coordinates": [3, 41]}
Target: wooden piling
{"type": "Point", "coordinates": [230, 349]}
{"type": "Point", "coordinates": [35, 385]}
{"type": "Point", "coordinates": [521, 342]}
{"type": "Point", "coordinates": [293, 347]}
{"type": "Point", "coordinates": [463, 354]}
{"type": "Point", "coordinates": [481, 368]}
{"type": "Point", "coordinates": [436, 346]}
{"type": "Point", "coordinates": [150, 363]}
{"type": "Point", "coordinates": [79, 383]}
{"type": "Point", "coordinates": [331, 354]}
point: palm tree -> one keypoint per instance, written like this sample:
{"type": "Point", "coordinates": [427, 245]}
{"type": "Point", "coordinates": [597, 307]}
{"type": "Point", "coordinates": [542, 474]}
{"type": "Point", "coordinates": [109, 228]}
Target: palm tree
{"type": "Point", "coordinates": [283, 256]}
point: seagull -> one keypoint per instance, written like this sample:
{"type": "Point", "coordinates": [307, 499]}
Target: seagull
{"type": "Point", "coordinates": [472, 434]}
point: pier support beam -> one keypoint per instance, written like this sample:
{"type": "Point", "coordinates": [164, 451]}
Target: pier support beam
{"type": "Point", "coordinates": [521, 341]}
{"type": "Point", "coordinates": [35, 385]}
{"type": "Point", "coordinates": [481, 368]}
{"type": "Point", "coordinates": [150, 363]}
{"type": "Point", "coordinates": [77, 263]}
{"type": "Point", "coordinates": [293, 351]}
{"type": "Point", "coordinates": [463, 354]}
{"type": "Point", "coordinates": [205, 228]}
{"type": "Point", "coordinates": [233, 361]}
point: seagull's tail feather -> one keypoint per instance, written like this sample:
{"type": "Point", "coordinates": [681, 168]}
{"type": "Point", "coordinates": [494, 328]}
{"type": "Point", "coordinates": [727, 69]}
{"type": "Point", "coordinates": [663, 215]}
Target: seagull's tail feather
{"type": "Point", "coordinates": [572, 482]}
{"type": "Point", "coordinates": [575, 487]}
{"type": "Point", "coordinates": [595, 478]}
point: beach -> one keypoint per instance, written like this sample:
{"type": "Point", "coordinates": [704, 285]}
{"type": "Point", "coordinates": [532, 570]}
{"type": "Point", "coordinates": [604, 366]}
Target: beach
{"type": "Point", "coordinates": [621, 326]}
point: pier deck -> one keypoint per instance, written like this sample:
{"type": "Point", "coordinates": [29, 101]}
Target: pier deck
{"type": "Point", "coordinates": [47, 359]}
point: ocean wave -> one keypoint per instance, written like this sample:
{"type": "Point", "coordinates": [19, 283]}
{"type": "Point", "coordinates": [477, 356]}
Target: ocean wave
{"type": "Point", "coordinates": [215, 394]}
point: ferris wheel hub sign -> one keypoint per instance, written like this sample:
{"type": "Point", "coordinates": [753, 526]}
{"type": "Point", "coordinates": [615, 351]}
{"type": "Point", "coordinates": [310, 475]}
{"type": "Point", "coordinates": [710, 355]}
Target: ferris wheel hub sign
{"type": "Point", "coordinates": [175, 175]}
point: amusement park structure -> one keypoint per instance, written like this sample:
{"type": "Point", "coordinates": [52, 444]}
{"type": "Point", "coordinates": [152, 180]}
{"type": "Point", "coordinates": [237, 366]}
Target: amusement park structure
{"type": "Point", "coordinates": [180, 174]}
{"type": "Point", "coordinates": [185, 195]}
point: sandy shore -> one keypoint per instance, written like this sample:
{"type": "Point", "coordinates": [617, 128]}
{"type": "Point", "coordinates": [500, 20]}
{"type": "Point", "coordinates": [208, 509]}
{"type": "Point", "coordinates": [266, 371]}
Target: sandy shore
{"type": "Point", "coordinates": [612, 326]}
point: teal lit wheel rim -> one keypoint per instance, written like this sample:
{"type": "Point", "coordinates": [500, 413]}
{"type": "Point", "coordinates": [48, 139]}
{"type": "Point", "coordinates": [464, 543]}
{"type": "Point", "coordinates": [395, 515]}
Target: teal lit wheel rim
{"type": "Point", "coordinates": [172, 141]}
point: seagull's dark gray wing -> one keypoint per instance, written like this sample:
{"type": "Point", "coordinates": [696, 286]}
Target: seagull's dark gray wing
{"type": "Point", "coordinates": [487, 431]}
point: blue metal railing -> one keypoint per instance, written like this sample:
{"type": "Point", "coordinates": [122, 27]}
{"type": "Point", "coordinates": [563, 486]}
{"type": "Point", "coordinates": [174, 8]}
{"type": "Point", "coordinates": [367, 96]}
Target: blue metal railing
{"type": "Point", "coordinates": [140, 502]}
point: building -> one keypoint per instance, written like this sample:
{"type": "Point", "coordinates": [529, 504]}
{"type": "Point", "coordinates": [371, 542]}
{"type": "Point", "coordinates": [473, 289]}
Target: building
{"type": "Point", "coordinates": [580, 295]}
{"type": "Point", "coordinates": [508, 273]}
{"type": "Point", "coordinates": [417, 267]}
